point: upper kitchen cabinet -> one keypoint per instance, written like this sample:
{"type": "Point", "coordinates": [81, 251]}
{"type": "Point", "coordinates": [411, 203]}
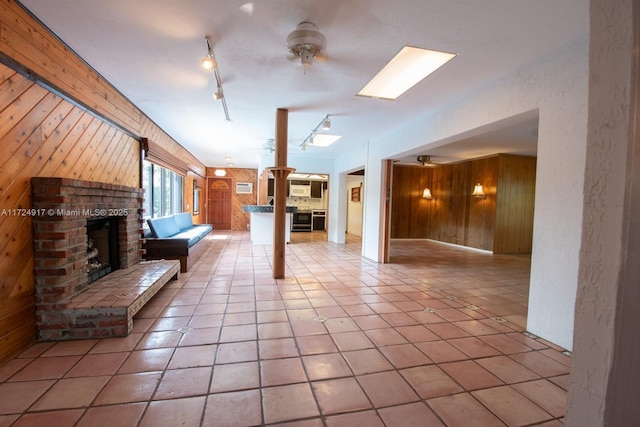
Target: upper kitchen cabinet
{"type": "Point", "coordinates": [316, 189]}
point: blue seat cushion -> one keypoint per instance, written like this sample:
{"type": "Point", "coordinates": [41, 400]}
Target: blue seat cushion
{"type": "Point", "coordinates": [184, 220]}
{"type": "Point", "coordinates": [163, 227]}
{"type": "Point", "coordinates": [193, 235]}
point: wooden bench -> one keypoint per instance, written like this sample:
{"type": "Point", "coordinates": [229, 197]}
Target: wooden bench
{"type": "Point", "coordinates": [107, 307]}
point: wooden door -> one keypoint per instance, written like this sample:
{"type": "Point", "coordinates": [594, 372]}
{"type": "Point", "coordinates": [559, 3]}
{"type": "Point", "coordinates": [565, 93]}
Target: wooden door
{"type": "Point", "coordinates": [219, 203]}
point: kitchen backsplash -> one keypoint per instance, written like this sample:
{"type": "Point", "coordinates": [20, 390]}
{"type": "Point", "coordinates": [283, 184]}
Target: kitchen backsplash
{"type": "Point", "coordinates": [306, 203]}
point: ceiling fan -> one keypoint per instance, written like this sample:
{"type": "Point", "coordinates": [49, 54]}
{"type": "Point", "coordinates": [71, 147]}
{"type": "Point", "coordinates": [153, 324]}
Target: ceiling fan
{"type": "Point", "coordinates": [425, 160]}
{"type": "Point", "coordinates": [306, 43]}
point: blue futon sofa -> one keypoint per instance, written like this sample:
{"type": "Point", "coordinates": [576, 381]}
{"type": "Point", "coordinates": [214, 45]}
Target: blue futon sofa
{"type": "Point", "coordinates": [176, 237]}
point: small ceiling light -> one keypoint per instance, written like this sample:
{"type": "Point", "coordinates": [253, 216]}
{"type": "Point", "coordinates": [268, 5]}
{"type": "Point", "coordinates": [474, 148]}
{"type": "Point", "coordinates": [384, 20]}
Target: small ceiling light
{"type": "Point", "coordinates": [326, 123]}
{"type": "Point", "coordinates": [478, 191]}
{"type": "Point", "coordinates": [405, 70]}
{"type": "Point", "coordinates": [220, 172]}
{"type": "Point", "coordinates": [427, 194]}
{"type": "Point", "coordinates": [208, 63]}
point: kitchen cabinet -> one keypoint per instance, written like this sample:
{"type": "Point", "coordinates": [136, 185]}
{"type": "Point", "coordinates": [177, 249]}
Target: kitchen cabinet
{"type": "Point", "coordinates": [316, 189]}
{"type": "Point", "coordinates": [271, 188]}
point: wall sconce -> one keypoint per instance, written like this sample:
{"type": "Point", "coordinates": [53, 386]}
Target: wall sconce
{"type": "Point", "coordinates": [478, 191]}
{"type": "Point", "coordinates": [427, 194]}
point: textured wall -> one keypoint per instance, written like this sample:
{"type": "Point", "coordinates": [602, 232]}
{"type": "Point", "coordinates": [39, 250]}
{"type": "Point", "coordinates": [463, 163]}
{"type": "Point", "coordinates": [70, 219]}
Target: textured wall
{"type": "Point", "coordinates": [604, 380]}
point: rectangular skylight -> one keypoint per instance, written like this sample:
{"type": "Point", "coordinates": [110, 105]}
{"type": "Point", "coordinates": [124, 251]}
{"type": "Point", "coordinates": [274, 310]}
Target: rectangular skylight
{"type": "Point", "coordinates": [323, 139]}
{"type": "Point", "coordinates": [408, 67]}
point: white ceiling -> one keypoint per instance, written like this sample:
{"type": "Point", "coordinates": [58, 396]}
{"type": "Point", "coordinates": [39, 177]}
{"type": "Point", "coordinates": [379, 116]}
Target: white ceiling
{"type": "Point", "coordinates": [151, 49]}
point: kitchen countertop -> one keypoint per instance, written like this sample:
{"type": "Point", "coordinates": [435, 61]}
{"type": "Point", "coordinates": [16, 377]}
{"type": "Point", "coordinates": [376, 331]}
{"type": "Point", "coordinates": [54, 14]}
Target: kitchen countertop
{"type": "Point", "coordinates": [265, 208]}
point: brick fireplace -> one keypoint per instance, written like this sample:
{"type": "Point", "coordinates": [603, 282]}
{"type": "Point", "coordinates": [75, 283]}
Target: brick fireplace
{"type": "Point", "coordinates": [61, 208]}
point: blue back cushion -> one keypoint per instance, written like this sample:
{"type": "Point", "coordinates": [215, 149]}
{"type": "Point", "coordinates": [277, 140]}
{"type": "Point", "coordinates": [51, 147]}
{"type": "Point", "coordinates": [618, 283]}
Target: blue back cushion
{"type": "Point", "coordinates": [184, 220]}
{"type": "Point", "coordinates": [163, 227]}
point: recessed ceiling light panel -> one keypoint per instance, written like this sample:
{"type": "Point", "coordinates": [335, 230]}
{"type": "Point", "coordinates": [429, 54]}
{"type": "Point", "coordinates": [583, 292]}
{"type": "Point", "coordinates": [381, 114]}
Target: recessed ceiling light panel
{"type": "Point", "coordinates": [405, 70]}
{"type": "Point", "coordinates": [323, 139]}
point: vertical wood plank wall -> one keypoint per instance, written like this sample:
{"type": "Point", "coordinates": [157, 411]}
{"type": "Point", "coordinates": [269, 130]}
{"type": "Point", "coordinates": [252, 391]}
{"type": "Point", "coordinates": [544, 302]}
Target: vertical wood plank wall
{"type": "Point", "coordinates": [514, 213]}
{"type": "Point", "coordinates": [42, 134]}
{"type": "Point", "coordinates": [409, 211]}
{"type": "Point", "coordinates": [239, 219]}
{"type": "Point", "coordinates": [502, 222]}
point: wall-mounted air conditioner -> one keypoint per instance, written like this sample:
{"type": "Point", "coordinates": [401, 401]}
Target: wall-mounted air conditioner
{"type": "Point", "coordinates": [244, 188]}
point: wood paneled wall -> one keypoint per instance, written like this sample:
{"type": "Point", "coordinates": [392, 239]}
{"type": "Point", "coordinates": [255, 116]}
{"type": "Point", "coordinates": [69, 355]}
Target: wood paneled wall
{"type": "Point", "coordinates": [502, 222]}
{"type": "Point", "coordinates": [43, 135]}
{"type": "Point", "coordinates": [409, 211]}
{"type": "Point", "coordinates": [91, 135]}
{"type": "Point", "coordinates": [514, 213]}
{"type": "Point", "coordinates": [240, 219]}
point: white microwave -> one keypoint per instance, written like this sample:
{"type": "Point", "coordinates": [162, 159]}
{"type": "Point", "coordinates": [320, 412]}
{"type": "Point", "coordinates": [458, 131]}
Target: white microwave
{"type": "Point", "coordinates": [297, 190]}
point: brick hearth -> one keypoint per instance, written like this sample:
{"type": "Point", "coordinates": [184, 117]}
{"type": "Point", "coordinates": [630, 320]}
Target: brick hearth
{"type": "Point", "coordinates": [62, 207]}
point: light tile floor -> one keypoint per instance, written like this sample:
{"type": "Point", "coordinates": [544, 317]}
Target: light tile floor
{"type": "Point", "coordinates": [435, 338]}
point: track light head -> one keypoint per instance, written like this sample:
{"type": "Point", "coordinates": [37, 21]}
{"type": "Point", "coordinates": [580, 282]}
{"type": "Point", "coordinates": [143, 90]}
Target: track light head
{"type": "Point", "coordinates": [208, 62]}
{"type": "Point", "coordinates": [326, 123]}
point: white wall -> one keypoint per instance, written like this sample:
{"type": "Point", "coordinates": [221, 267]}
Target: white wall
{"type": "Point", "coordinates": [354, 209]}
{"type": "Point", "coordinates": [604, 383]}
{"type": "Point", "coordinates": [555, 87]}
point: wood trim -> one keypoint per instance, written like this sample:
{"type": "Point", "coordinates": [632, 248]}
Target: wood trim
{"type": "Point", "coordinates": [385, 219]}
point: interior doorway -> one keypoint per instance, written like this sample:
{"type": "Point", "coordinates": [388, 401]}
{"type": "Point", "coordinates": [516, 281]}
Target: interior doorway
{"type": "Point", "coordinates": [219, 203]}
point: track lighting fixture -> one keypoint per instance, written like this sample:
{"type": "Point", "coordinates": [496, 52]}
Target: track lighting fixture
{"type": "Point", "coordinates": [209, 63]}
{"type": "Point", "coordinates": [320, 139]}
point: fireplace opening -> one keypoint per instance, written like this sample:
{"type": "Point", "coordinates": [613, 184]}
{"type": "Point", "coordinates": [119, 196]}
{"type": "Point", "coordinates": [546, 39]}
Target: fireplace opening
{"type": "Point", "coordinates": [102, 247]}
